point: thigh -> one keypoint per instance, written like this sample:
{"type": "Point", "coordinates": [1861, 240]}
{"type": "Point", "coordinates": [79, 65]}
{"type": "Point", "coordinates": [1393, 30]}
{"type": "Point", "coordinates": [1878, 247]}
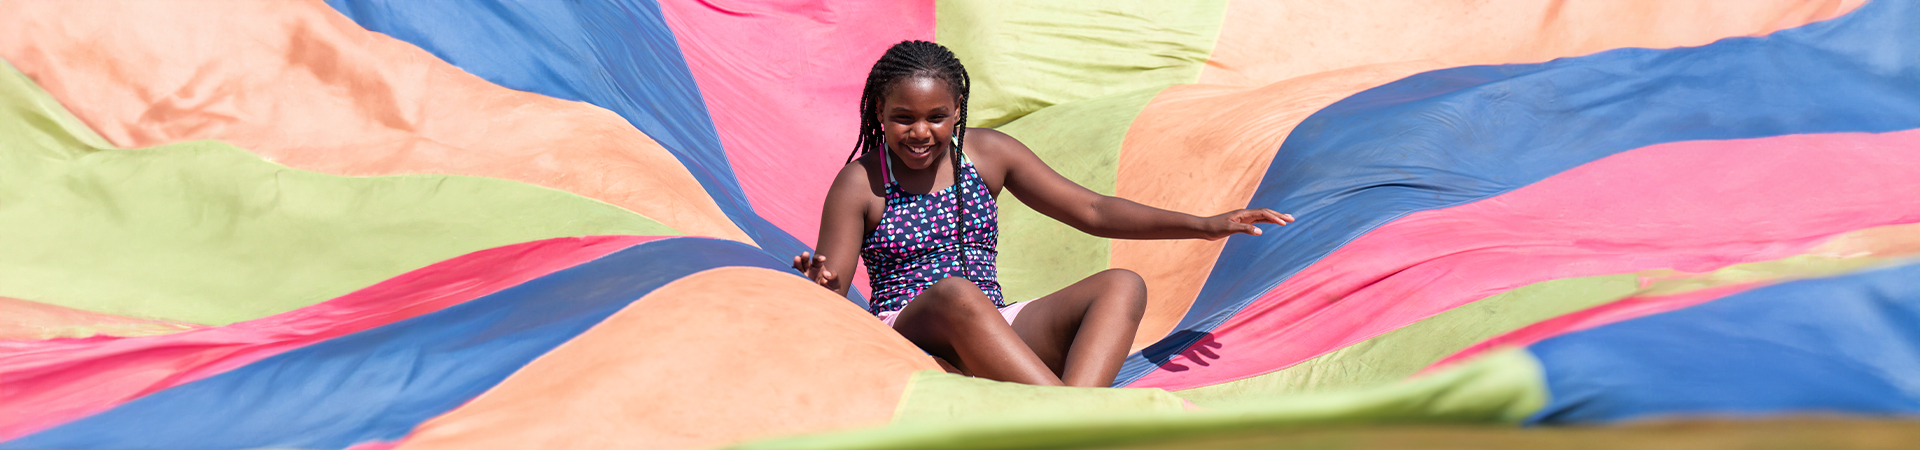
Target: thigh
{"type": "Point", "coordinates": [945, 313]}
{"type": "Point", "coordinates": [1049, 323]}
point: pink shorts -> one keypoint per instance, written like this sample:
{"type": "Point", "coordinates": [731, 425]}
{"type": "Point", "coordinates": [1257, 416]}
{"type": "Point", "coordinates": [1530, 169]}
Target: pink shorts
{"type": "Point", "coordinates": [1008, 312]}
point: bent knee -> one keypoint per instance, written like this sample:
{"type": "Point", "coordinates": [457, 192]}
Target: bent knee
{"type": "Point", "coordinates": [955, 287]}
{"type": "Point", "coordinates": [1124, 280]}
{"type": "Point", "coordinates": [1129, 287]}
{"type": "Point", "coordinates": [956, 297]}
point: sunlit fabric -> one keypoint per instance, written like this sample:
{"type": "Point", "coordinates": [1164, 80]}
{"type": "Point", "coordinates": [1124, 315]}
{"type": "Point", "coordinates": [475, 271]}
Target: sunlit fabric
{"type": "Point", "coordinates": [366, 224]}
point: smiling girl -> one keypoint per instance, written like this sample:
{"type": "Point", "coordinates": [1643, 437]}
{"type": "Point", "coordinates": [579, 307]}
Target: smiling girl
{"type": "Point", "coordinates": [916, 203]}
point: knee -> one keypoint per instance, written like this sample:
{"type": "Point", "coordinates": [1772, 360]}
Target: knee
{"type": "Point", "coordinates": [1126, 287]}
{"type": "Point", "coordinates": [954, 287]}
{"type": "Point", "coordinates": [1124, 278]}
{"type": "Point", "coordinates": [957, 298]}
{"type": "Point", "coordinates": [1125, 282]}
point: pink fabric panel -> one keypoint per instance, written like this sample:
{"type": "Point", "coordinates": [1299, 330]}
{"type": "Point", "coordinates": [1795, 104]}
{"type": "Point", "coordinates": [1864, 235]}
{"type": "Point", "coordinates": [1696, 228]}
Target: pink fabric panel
{"type": "Point", "coordinates": [1624, 309]}
{"type": "Point", "coordinates": [64, 379]}
{"type": "Point", "coordinates": [1690, 206]}
{"type": "Point", "coordinates": [375, 445]}
{"type": "Point", "coordinates": [782, 80]}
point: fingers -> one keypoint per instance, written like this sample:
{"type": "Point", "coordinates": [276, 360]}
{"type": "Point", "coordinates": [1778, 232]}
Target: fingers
{"type": "Point", "coordinates": [1245, 219]}
{"type": "Point", "coordinates": [808, 259]}
{"type": "Point", "coordinates": [814, 267]}
{"type": "Point", "coordinates": [1264, 215]}
{"type": "Point", "coordinates": [1283, 218]}
{"type": "Point", "coordinates": [1274, 217]}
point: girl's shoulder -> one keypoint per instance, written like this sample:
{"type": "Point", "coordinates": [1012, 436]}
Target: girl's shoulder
{"type": "Point", "coordinates": [860, 178]}
{"type": "Point", "coordinates": [993, 154]}
{"type": "Point", "coordinates": [989, 143]}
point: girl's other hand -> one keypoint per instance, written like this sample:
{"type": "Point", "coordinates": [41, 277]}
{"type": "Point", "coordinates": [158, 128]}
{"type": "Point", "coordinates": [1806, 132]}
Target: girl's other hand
{"type": "Point", "coordinates": [1241, 221]}
{"type": "Point", "coordinates": [814, 267]}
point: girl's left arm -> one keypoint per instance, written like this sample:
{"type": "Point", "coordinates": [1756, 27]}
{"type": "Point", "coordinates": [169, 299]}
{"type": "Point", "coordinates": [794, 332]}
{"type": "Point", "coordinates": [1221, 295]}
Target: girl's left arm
{"type": "Point", "coordinates": [1040, 187]}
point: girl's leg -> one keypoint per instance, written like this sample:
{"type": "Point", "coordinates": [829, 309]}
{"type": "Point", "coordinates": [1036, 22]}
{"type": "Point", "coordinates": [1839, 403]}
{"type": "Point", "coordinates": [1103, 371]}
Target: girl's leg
{"type": "Point", "coordinates": [955, 321]}
{"type": "Point", "coordinates": [1082, 332]}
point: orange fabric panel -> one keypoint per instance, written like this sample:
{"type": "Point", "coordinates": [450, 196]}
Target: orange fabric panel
{"type": "Point", "coordinates": [22, 320]}
{"type": "Point", "coordinates": [1203, 147]}
{"type": "Point", "coordinates": [306, 87]}
{"type": "Point", "coordinates": [714, 358]}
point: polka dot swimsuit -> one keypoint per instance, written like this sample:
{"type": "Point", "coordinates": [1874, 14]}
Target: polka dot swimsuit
{"type": "Point", "coordinates": [915, 244]}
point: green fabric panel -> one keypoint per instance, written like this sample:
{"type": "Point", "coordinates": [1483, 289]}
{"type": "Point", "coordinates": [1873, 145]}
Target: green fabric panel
{"type": "Point", "coordinates": [1502, 388]}
{"type": "Point", "coordinates": [1401, 353]}
{"type": "Point", "coordinates": [1081, 140]}
{"type": "Point", "coordinates": [933, 397]}
{"type": "Point", "coordinates": [1668, 282]}
{"type": "Point", "coordinates": [205, 232]}
{"type": "Point", "coordinates": [1026, 55]}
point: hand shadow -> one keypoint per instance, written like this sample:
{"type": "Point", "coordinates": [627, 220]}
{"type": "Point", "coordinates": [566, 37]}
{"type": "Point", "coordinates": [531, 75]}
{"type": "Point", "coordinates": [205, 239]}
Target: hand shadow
{"type": "Point", "coordinates": [1191, 346]}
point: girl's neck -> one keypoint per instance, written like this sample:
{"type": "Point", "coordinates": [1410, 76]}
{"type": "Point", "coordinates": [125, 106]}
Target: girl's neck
{"type": "Point", "coordinates": [934, 178]}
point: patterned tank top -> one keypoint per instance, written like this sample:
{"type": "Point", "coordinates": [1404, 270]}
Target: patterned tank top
{"type": "Point", "coordinates": [915, 244]}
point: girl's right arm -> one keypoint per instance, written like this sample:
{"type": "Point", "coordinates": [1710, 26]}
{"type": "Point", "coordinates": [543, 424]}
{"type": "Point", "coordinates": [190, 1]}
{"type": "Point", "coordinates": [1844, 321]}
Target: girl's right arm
{"type": "Point", "coordinates": [843, 223]}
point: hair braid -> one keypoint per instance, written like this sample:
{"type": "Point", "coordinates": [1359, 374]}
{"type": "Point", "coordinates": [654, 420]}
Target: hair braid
{"type": "Point", "coordinates": [917, 59]}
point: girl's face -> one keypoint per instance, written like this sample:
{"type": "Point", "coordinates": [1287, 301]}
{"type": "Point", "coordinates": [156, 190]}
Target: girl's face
{"type": "Point", "coordinates": [917, 119]}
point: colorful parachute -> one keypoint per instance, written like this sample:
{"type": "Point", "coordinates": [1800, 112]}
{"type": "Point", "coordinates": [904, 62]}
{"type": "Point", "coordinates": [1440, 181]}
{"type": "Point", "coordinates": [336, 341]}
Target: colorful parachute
{"type": "Point", "coordinates": [383, 224]}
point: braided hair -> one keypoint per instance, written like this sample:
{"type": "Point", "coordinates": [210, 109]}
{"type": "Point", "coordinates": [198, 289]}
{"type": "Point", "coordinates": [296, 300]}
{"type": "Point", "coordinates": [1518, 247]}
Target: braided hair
{"type": "Point", "coordinates": [908, 60]}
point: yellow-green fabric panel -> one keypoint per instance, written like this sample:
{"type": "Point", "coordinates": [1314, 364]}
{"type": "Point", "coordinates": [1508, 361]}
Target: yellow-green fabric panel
{"type": "Point", "coordinates": [933, 398]}
{"type": "Point", "coordinates": [1026, 55]}
{"type": "Point", "coordinates": [1501, 388]}
{"type": "Point", "coordinates": [1081, 140]}
{"type": "Point", "coordinates": [1801, 267]}
{"type": "Point", "coordinates": [208, 233]}
{"type": "Point", "coordinates": [1398, 354]}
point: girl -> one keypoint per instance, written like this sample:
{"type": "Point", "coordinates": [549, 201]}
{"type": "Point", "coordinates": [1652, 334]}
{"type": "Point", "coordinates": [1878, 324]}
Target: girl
{"type": "Point", "coordinates": [916, 202]}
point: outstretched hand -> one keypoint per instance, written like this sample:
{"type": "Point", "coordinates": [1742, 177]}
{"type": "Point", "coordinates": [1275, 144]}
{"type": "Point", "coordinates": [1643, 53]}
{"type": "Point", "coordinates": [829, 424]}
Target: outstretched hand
{"type": "Point", "coordinates": [815, 268]}
{"type": "Point", "coordinates": [1241, 221]}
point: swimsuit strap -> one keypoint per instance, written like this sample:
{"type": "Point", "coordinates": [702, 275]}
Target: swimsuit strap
{"type": "Point", "coordinates": [886, 163]}
{"type": "Point", "coordinates": [886, 166]}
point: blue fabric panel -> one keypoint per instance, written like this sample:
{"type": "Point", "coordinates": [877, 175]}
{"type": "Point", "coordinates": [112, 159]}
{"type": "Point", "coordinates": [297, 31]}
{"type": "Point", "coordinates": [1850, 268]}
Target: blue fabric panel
{"type": "Point", "coordinates": [1450, 137]}
{"type": "Point", "coordinates": [378, 384]}
{"type": "Point", "coordinates": [616, 54]}
{"type": "Point", "coordinates": [1848, 344]}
